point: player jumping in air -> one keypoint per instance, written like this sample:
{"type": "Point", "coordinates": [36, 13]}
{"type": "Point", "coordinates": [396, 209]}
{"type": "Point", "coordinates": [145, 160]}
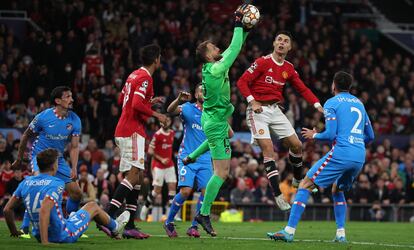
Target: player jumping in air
{"type": "Point", "coordinates": [262, 85]}
{"type": "Point", "coordinates": [55, 128]}
{"type": "Point", "coordinates": [136, 100]}
{"type": "Point", "coordinates": [42, 197]}
{"type": "Point", "coordinates": [348, 127]}
{"type": "Point", "coordinates": [163, 169]}
{"type": "Point", "coordinates": [199, 171]}
{"type": "Point", "coordinates": [216, 110]}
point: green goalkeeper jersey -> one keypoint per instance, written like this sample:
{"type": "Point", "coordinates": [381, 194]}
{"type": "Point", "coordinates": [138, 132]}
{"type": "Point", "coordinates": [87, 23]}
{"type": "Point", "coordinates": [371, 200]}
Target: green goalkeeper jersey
{"type": "Point", "coordinates": [215, 79]}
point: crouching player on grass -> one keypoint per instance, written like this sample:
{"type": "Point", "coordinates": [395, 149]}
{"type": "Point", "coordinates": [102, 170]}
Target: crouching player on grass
{"type": "Point", "coordinates": [42, 197]}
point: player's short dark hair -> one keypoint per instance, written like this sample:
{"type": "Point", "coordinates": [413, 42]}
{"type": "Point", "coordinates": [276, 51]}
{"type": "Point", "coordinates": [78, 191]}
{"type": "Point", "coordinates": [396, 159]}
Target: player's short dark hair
{"type": "Point", "coordinates": [149, 54]}
{"type": "Point", "coordinates": [46, 159]}
{"type": "Point", "coordinates": [343, 81]}
{"type": "Point", "coordinates": [58, 93]}
{"type": "Point", "coordinates": [201, 51]}
{"type": "Point", "coordinates": [286, 33]}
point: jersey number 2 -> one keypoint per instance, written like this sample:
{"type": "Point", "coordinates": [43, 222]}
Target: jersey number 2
{"type": "Point", "coordinates": [355, 129]}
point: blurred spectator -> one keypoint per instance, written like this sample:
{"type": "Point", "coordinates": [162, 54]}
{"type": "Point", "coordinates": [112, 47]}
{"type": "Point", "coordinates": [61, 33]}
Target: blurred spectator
{"type": "Point", "coordinates": [88, 190]}
{"type": "Point", "coordinates": [376, 212]}
{"type": "Point", "coordinates": [241, 194]}
{"type": "Point", "coordinates": [287, 189]}
{"type": "Point", "coordinates": [263, 192]}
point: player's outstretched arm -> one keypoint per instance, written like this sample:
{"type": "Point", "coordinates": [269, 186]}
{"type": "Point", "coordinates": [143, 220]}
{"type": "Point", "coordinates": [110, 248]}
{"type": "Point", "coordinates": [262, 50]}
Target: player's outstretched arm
{"type": "Point", "coordinates": [44, 219]}
{"type": "Point", "coordinates": [28, 134]}
{"type": "Point", "coordinates": [231, 53]}
{"type": "Point", "coordinates": [173, 108]}
{"type": "Point", "coordinates": [9, 216]}
{"type": "Point", "coordinates": [304, 91]}
{"type": "Point", "coordinates": [330, 132]}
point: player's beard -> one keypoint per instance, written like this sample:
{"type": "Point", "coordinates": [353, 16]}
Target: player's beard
{"type": "Point", "coordinates": [218, 57]}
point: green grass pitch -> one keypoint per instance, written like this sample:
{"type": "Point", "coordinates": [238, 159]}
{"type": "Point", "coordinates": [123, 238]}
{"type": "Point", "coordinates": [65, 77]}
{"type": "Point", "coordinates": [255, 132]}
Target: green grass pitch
{"type": "Point", "coordinates": [309, 235]}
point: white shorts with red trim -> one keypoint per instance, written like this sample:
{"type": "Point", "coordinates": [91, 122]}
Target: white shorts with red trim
{"type": "Point", "coordinates": [271, 120]}
{"type": "Point", "coordinates": [132, 152]}
{"type": "Point", "coordinates": [163, 174]}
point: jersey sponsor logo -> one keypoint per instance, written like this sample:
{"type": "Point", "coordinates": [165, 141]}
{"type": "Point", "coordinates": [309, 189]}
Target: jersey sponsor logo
{"type": "Point", "coordinates": [56, 137]}
{"type": "Point", "coordinates": [285, 75]}
{"type": "Point", "coordinates": [270, 80]}
{"type": "Point", "coordinates": [166, 146]}
{"type": "Point", "coordinates": [196, 126]}
{"type": "Point", "coordinates": [355, 140]}
{"type": "Point", "coordinates": [69, 126]}
{"type": "Point", "coordinates": [144, 86]}
{"type": "Point", "coordinates": [252, 68]}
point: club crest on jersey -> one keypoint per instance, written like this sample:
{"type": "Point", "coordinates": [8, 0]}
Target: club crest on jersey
{"type": "Point", "coordinates": [69, 126]}
{"type": "Point", "coordinates": [182, 177]}
{"type": "Point", "coordinates": [285, 75]}
{"type": "Point", "coordinates": [141, 161]}
{"type": "Point", "coordinates": [261, 131]}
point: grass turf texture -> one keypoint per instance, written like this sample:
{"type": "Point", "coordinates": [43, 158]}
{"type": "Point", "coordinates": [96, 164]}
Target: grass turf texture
{"type": "Point", "coordinates": [309, 235]}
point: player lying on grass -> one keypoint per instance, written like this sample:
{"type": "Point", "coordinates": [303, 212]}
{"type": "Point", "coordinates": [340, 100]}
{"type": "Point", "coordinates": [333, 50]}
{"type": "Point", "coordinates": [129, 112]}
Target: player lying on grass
{"type": "Point", "coordinates": [348, 127]}
{"type": "Point", "coordinates": [42, 197]}
{"type": "Point", "coordinates": [55, 128]}
{"type": "Point", "coordinates": [217, 108]}
{"type": "Point", "coordinates": [199, 171]}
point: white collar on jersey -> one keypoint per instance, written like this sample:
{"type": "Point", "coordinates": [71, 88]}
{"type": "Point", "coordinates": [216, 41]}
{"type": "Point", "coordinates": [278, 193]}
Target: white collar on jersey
{"type": "Point", "coordinates": [146, 70]}
{"type": "Point", "coordinates": [274, 60]}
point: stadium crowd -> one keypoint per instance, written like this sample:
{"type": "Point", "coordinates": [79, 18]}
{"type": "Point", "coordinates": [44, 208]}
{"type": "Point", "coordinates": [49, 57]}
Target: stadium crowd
{"type": "Point", "coordinates": [92, 46]}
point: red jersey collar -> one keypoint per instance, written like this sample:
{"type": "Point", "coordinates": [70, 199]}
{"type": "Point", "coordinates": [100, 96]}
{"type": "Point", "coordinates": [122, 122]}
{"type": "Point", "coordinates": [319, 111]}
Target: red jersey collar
{"type": "Point", "coordinates": [146, 70]}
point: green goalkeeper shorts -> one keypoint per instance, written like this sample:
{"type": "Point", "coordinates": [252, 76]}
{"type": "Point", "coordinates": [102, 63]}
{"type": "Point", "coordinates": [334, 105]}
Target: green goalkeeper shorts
{"type": "Point", "coordinates": [217, 133]}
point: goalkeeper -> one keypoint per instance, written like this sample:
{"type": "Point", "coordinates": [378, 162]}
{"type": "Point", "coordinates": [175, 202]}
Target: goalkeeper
{"type": "Point", "coordinates": [216, 110]}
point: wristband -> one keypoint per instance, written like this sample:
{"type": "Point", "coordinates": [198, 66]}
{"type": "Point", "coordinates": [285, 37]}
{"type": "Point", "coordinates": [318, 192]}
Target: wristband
{"type": "Point", "coordinates": [249, 98]}
{"type": "Point", "coordinates": [317, 105]}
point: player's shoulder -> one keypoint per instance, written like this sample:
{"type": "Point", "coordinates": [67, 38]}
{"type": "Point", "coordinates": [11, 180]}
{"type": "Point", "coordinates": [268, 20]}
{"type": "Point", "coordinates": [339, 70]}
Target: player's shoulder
{"type": "Point", "coordinates": [55, 181]}
{"type": "Point", "coordinates": [264, 59]}
{"type": "Point", "coordinates": [140, 75]}
{"type": "Point", "coordinates": [288, 65]}
{"type": "Point", "coordinates": [74, 116]}
{"type": "Point", "coordinates": [331, 102]}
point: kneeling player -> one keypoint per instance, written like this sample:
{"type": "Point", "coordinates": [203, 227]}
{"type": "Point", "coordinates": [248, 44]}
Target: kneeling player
{"type": "Point", "coordinates": [42, 196]}
{"type": "Point", "coordinates": [348, 126]}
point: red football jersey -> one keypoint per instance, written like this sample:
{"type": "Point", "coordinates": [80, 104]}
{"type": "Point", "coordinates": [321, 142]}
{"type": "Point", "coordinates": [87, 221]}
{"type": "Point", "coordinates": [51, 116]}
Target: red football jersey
{"type": "Point", "coordinates": [94, 65]}
{"type": "Point", "coordinates": [265, 80]}
{"type": "Point", "coordinates": [135, 99]}
{"type": "Point", "coordinates": [162, 143]}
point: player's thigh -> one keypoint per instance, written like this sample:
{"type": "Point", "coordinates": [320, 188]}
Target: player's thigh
{"type": "Point", "coordinates": [64, 171]}
{"type": "Point", "coordinates": [218, 141]}
{"type": "Point", "coordinates": [344, 182]}
{"type": "Point", "coordinates": [204, 173]}
{"type": "Point", "coordinates": [132, 152]}
{"type": "Point", "coordinates": [170, 176]}
{"type": "Point", "coordinates": [75, 226]}
{"type": "Point", "coordinates": [280, 125]}
{"type": "Point", "coordinates": [186, 175]}
{"type": "Point", "coordinates": [325, 171]}
{"type": "Point", "coordinates": [258, 124]}
{"type": "Point", "coordinates": [158, 175]}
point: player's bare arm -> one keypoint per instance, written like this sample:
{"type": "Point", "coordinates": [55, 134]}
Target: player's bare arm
{"type": "Point", "coordinates": [44, 219]}
{"type": "Point", "coordinates": [28, 134]}
{"type": "Point", "coordinates": [74, 156]}
{"type": "Point", "coordinates": [173, 107]}
{"type": "Point", "coordinates": [9, 216]}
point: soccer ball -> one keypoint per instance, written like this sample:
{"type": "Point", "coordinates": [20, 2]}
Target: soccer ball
{"type": "Point", "coordinates": [251, 16]}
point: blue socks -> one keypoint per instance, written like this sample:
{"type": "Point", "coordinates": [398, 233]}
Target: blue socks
{"type": "Point", "coordinates": [199, 203]}
{"type": "Point", "coordinates": [298, 208]}
{"type": "Point", "coordinates": [26, 222]}
{"type": "Point", "coordinates": [175, 207]}
{"type": "Point", "coordinates": [112, 224]}
{"type": "Point", "coordinates": [339, 209]}
{"type": "Point", "coordinates": [72, 205]}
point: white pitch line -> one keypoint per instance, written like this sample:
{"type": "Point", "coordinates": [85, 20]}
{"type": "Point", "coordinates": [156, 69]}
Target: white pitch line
{"type": "Point", "coordinates": [304, 240]}
{"type": "Point", "coordinates": [307, 240]}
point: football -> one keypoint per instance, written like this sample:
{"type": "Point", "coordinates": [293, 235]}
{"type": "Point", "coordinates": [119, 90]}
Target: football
{"type": "Point", "coordinates": [251, 16]}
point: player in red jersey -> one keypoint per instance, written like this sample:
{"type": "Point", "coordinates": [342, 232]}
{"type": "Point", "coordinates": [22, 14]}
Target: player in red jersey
{"type": "Point", "coordinates": [262, 85]}
{"type": "Point", "coordinates": [136, 100]}
{"type": "Point", "coordinates": [161, 149]}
